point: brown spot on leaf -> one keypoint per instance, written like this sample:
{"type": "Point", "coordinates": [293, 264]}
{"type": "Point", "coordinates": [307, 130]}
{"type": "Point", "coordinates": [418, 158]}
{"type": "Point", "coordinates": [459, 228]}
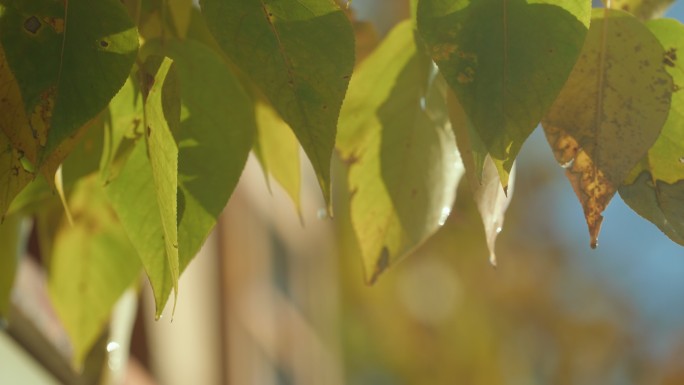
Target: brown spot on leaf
{"type": "Point", "coordinates": [670, 57]}
{"type": "Point", "coordinates": [104, 44]}
{"type": "Point", "coordinates": [32, 25]}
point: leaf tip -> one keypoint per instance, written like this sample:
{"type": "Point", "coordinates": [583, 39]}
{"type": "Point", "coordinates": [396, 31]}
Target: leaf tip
{"type": "Point", "coordinates": [380, 266]}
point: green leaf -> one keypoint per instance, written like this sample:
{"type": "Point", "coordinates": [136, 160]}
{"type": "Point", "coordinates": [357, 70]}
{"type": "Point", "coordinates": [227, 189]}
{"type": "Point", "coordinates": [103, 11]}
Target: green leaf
{"type": "Point", "coordinates": [278, 152]}
{"type": "Point", "coordinates": [610, 111]}
{"type": "Point", "coordinates": [91, 265]}
{"type": "Point", "coordinates": [215, 134]}
{"type": "Point", "coordinates": [163, 153]}
{"type": "Point", "coordinates": [124, 123]}
{"type": "Point", "coordinates": [12, 245]}
{"type": "Point", "coordinates": [655, 187]}
{"type": "Point", "coordinates": [506, 61]}
{"type": "Point", "coordinates": [300, 53]}
{"type": "Point", "coordinates": [643, 9]}
{"type": "Point", "coordinates": [395, 136]}
{"type": "Point", "coordinates": [84, 60]}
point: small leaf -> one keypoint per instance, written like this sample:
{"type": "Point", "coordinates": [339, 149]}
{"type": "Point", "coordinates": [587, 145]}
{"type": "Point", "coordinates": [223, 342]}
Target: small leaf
{"type": "Point", "coordinates": [655, 187]}
{"type": "Point", "coordinates": [643, 9]}
{"type": "Point", "coordinates": [278, 151]}
{"type": "Point", "coordinates": [84, 60]}
{"type": "Point", "coordinates": [91, 265]}
{"type": "Point", "coordinates": [163, 153]}
{"type": "Point", "coordinates": [610, 111]}
{"type": "Point", "coordinates": [300, 53]}
{"type": "Point", "coordinates": [506, 61]}
{"type": "Point", "coordinates": [403, 162]}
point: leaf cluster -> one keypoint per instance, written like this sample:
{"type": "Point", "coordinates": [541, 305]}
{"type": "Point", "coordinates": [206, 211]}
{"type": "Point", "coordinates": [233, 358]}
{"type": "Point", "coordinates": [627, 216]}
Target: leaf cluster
{"type": "Point", "coordinates": [138, 116]}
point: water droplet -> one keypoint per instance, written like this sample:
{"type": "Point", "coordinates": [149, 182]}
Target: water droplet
{"type": "Point", "coordinates": [157, 317]}
{"type": "Point", "coordinates": [322, 213]}
{"type": "Point", "coordinates": [423, 103]}
{"type": "Point", "coordinates": [499, 229]}
{"type": "Point", "coordinates": [444, 215]}
{"type": "Point", "coordinates": [568, 164]}
{"type": "Point", "coordinates": [112, 346]}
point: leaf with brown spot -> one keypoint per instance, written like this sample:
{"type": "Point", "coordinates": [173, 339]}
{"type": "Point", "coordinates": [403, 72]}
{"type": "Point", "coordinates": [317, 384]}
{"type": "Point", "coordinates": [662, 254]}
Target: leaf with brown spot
{"type": "Point", "coordinates": [610, 111]}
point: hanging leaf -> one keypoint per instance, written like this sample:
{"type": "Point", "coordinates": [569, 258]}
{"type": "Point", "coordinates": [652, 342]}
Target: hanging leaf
{"type": "Point", "coordinates": [482, 176]}
{"type": "Point", "coordinates": [163, 154]}
{"type": "Point", "coordinates": [643, 9]}
{"type": "Point", "coordinates": [655, 187]}
{"type": "Point", "coordinates": [610, 111]}
{"type": "Point", "coordinates": [84, 59]}
{"type": "Point", "coordinates": [403, 162]}
{"type": "Point", "coordinates": [214, 134]}
{"type": "Point", "coordinates": [506, 61]}
{"type": "Point", "coordinates": [300, 53]}
{"type": "Point", "coordinates": [277, 149]}
{"type": "Point", "coordinates": [91, 265]}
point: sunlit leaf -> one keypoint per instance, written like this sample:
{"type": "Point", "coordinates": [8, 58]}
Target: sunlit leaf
{"type": "Point", "coordinates": [84, 59]}
{"type": "Point", "coordinates": [214, 137]}
{"type": "Point", "coordinates": [91, 265]}
{"type": "Point", "coordinates": [655, 187]}
{"type": "Point", "coordinates": [278, 151]}
{"type": "Point", "coordinates": [163, 153]}
{"type": "Point", "coordinates": [301, 54]}
{"type": "Point", "coordinates": [506, 62]}
{"type": "Point", "coordinates": [643, 9]}
{"type": "Point", "coordinates": [610, 111]}
{"type": "Point", "coordinates": [403, 162]}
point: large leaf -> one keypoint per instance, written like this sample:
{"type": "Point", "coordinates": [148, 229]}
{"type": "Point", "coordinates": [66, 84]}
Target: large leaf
{"type": "Point", "coordinates": [214, 137]}
{"type": "Point", "coordinates": [163, 153]}
{"type": "Point", "coordinates": [67, 68]}
{"type": "Point", "coordinates": [301, 54]}
{"type": "Point", "coordinates": [506, 61]}
{"type": "Point", "coordinates": [655, 187]}
{"type": "Point", "coordinates": [396, 138]}
{"type": "Point", "coordinates": [278, 152]}
{"type": "Point", "coordinates": [610, 111]}
{"type": "Point", "coordinates": [91, 265]}
{"type": "Point", "coordinates": [643, 9]}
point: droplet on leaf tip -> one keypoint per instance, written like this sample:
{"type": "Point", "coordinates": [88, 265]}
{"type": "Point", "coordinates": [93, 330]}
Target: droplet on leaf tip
{"type": "Point", "coordinates": [499, 229]}
{"type": "Point", "coordinates": [158, 317]}
{"type": "Point", "coordinates": [112, 346]}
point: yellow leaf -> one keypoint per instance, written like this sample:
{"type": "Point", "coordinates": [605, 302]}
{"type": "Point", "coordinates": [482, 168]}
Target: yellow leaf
{"type": "Point", "coordinates": [611, 110]}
